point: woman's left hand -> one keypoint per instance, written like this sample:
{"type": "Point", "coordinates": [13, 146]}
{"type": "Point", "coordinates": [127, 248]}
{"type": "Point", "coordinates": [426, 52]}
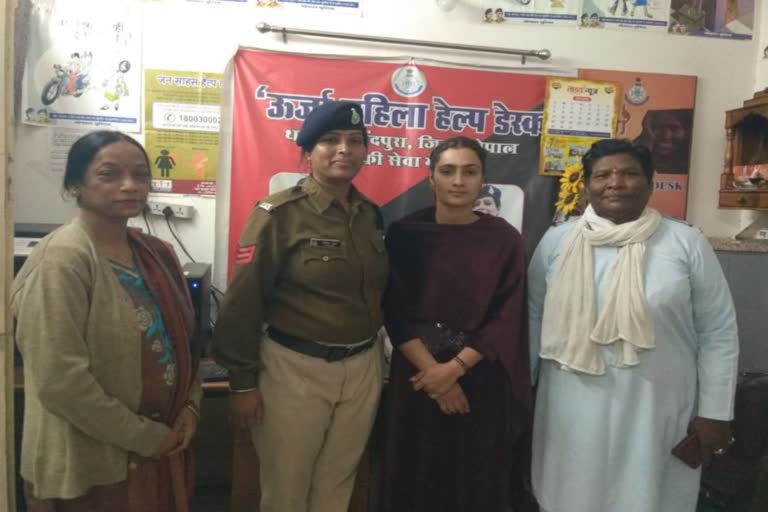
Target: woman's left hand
{"type": "Point", "coordinates": [714, 436]}
{"type": "Point", "coordinates": [186, 425]}
{"type": "Point", "coordinates": [437, 379]}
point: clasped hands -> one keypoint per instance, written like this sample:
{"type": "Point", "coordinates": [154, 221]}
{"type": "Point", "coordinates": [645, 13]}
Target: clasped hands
{"type": "Point", "coordinates": [440, 383]}
{"type": "Point", "coordinates": [180, 436]}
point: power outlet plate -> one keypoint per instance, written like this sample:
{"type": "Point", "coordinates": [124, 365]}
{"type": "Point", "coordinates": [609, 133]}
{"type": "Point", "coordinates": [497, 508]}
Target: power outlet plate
{"type": "Point", "coordinates": [180, 211]}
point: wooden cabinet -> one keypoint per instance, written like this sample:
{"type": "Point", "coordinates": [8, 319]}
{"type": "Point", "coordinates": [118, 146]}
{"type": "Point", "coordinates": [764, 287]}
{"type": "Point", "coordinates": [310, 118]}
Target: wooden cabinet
{"type": "Point", "coordinates": [750, 199]}
{"type": "Point", "coordinates": [744, 181]}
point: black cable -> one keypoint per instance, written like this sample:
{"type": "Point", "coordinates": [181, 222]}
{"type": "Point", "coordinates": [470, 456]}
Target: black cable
{"type": "Point", "coordinates": [173, 233]}
{"type": "Point", "coordinates": [146, 221]}
{"type": "Point", "coordinates": [218, 307]}
{"type": "Point", "coordinates": [214, 292]}
{"type": "Point", "coordinates": [216, 300]}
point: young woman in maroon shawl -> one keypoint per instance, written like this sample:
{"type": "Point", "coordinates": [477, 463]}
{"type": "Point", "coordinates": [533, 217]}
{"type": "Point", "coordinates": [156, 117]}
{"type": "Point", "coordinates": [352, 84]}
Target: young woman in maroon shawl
{"type": "Point", "coordinates": [104, 323]}
{"type": "Point", "coordinates": [459, 389]}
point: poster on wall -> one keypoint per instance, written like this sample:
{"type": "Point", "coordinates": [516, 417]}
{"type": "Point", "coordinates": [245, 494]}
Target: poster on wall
{"type": "Point", "coordinates": [83, 66]}
{"type": "Point", "coordinates": [204, 2]}
{"type": "Point", "coordinates": [726, 19]}
{"type": "Point", "coordinates": [60, 140]}
{"type": "Point", "coordinates": [407, 108]}
{"type": "Point", "coordinates": [657, 111]}
{"type": "Point", "coordinates": [182, 130]}
{"type": "Point", "coordinates": [625, 14]}
{"type": "Point", "coordinates": [353, 7]}
{"type": "Point", "coordinates": [218, 2]}
{"type": "Point", "coordinates": [539, 12]}
{"type": "Point", "coordinates": [577, 113]}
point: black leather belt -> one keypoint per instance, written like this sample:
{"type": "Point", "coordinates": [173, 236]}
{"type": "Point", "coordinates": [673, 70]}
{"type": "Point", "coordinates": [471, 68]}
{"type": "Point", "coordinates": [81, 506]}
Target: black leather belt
{"type": "Point", "coordinates": [314, 349]}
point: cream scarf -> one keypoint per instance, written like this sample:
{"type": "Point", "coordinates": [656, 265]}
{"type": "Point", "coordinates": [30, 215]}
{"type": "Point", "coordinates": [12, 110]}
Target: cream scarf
{"type": "Point", "coordinates": [570, 327]}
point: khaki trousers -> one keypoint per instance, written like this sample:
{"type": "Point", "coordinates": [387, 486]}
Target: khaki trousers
{"type": "Point", "coordinates": [317, 419]}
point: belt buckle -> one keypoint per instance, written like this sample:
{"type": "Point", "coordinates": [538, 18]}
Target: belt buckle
{"type": "Point", "coordinates": [336, 354]}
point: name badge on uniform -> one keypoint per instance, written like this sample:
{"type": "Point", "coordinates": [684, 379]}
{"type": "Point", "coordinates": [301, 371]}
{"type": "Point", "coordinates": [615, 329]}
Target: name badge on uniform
{"type": "Point", "coordinates": [324, 242]}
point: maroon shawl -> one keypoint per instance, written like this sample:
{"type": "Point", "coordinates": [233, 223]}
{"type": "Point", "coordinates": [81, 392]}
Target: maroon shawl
{"type": "Point", "coordinates": [470, 277]}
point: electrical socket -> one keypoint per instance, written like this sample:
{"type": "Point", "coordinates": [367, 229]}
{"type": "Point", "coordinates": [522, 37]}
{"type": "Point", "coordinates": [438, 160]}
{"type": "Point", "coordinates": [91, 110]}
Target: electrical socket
{"type": "Point", "coordinates": [180, 211]}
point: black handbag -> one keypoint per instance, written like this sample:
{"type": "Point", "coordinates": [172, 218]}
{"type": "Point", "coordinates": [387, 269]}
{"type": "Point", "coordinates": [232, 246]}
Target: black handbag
{"type": "Point", "coordinates": [439, 338]}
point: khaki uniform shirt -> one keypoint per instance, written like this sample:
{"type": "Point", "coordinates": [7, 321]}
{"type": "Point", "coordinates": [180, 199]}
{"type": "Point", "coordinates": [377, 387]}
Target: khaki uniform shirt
{"type": "Point", "coordinates": [307, 266]}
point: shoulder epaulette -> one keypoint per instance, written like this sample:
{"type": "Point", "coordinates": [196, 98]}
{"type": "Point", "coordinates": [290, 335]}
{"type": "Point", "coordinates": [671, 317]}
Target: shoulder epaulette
{"type": "Point", "coordinates": [278, 199]}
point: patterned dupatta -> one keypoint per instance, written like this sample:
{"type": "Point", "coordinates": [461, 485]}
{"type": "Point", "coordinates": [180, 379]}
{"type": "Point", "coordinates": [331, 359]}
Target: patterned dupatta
{"type": "Point", "coordinates": [165, 278]}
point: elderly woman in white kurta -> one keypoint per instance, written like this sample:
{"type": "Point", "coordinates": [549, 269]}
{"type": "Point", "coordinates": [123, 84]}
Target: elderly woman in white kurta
{"type": "Point", "coordinates": [636, 334]}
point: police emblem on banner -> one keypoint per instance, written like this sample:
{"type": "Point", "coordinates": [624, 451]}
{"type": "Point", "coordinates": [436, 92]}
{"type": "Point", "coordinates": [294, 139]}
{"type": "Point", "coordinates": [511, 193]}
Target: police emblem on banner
{"type": "Point", "coordinates": [409, 81]}
{"type": "Point", "coordinates": [637, 95]}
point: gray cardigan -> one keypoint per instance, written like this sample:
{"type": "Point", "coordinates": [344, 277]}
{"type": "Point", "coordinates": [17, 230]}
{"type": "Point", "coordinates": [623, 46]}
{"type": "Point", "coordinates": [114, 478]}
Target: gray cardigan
{"type": "Point", "coordinates": [81, 348]}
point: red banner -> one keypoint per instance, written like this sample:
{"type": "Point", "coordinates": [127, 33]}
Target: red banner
{"type": "Point", "coordinates": [407, 109]}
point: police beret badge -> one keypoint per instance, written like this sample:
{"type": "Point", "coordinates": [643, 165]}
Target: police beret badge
{"type": "Point", "coordinates": [328, 116]}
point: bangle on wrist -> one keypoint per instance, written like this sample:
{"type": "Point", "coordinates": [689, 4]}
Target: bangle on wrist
{"type": "Point", "coordinates": [193, 407]}
{"type": "Point", "coordinates": [461, 363]}
{"type": "Point", "coordinates": [242, 390]}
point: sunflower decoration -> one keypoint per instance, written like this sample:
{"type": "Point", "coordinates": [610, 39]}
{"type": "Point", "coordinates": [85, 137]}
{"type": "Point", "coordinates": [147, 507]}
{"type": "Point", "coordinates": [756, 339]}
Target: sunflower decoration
{"type": "Point", "coordinates": [571, 190]}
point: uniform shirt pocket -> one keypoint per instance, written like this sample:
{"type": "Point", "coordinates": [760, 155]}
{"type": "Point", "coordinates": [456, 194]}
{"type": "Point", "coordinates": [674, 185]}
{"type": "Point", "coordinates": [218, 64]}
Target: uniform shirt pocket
{"type": "Point", "coordinates": [319, 255]}
{"type": "Point", "coordinates": [325, 267]}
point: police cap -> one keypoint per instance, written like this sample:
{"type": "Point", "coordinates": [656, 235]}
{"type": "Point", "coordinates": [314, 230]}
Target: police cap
{"type": "Point", "coordinates": [331, 115]}
{"type": "Point", "coordinates": [492, 192]}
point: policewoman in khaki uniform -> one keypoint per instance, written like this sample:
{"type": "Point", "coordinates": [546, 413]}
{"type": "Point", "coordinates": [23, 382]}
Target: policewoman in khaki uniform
{"type": "Point", "coordinates": [298, 326]}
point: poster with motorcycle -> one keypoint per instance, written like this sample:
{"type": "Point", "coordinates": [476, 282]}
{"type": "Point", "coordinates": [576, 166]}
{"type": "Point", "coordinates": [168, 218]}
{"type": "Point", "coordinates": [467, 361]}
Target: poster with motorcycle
{"type": "Point", "coordinates": [538, 12]}
{"type": "Point", "coordinates": [83, 66]}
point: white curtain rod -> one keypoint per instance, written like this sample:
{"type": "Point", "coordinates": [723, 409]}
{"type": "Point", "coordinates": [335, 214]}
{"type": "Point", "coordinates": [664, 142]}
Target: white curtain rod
{"type": "Point", "coordinates": [539, 54]}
